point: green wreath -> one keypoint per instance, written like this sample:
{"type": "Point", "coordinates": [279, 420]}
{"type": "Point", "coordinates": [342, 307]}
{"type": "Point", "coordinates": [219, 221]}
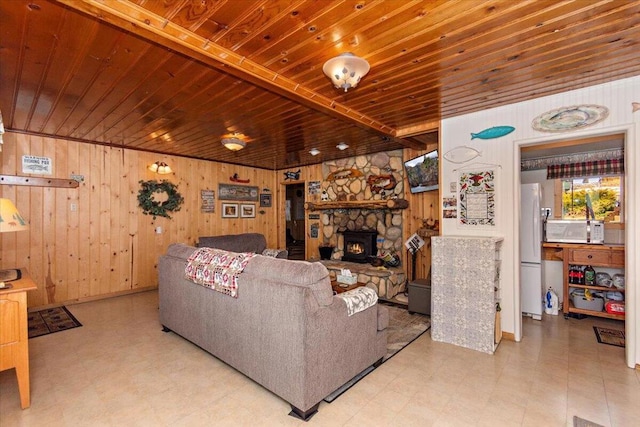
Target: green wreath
{"type": "Point", "coordinates": [155, 208]}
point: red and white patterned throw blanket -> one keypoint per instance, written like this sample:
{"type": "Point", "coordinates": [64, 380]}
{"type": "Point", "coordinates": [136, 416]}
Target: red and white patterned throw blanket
{"type": "Point", "coordinates": [217, 269]}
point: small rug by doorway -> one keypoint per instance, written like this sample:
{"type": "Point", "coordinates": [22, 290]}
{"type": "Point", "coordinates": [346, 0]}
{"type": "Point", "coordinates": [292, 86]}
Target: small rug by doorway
{"type": "Point", "coordinates": [609, 336]}
{"type": "Point", "coordinates": [51, 320]}
{"type": "Point", "coordinates": [403, 329]}
{"type": "Point", "coordinates": [581, 422]}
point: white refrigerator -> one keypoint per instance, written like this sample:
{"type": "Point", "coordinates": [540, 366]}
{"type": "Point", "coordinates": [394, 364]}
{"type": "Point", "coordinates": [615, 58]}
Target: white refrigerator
{"type": "Point", "coordinates": [531, 272]}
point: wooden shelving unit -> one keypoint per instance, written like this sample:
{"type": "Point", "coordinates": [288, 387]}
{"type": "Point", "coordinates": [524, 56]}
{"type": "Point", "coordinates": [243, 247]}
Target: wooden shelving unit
{"type": "Point", "coordinates": [609, 256]}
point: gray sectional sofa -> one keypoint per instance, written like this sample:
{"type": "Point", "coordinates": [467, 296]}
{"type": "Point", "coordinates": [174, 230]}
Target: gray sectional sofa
{"type": "Point", "coordinates": [285, 330]}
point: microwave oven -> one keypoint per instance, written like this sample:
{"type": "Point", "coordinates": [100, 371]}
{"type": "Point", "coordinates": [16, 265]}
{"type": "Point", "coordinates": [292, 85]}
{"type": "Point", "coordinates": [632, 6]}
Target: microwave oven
{"type": "Point", "coordinates": [574, 231]}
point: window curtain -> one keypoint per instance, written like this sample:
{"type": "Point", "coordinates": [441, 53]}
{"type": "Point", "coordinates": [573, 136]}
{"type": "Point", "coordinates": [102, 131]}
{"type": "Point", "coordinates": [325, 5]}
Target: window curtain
{"type": "Point", "coordinates": [584, 169]}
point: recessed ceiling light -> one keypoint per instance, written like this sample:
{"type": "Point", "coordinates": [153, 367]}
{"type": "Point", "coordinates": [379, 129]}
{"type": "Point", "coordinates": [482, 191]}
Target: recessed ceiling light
{"type": "Point", "coordinates": [342, 146]}
{"type": "Point", "coordinates": [314, 151]}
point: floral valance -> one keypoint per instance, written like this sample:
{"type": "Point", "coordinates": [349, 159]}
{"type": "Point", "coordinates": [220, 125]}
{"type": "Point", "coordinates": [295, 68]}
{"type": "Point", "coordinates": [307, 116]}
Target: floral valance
{"type": "Point", "coordinates": [584, 169]}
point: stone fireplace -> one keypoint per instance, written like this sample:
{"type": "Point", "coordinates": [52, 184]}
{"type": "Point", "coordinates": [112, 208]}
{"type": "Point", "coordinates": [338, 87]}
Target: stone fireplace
{"type": "Point", "coordinates": [359, 245]}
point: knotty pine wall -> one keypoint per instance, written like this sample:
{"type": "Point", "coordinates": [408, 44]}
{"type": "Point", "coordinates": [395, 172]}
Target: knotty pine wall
{"type": "Point", "coordinates": [107, 246]}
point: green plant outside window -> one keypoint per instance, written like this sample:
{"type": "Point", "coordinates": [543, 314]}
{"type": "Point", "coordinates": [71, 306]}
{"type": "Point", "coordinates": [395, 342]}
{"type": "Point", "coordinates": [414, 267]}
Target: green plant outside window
{"type": "Point", "coordinates": [599, 196]}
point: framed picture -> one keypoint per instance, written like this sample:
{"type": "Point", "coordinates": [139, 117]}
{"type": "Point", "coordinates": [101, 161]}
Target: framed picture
{"type": "Point", "coordinates": [247, 211]}
{"type": "Point", "coordinates": [265, 200]}
{"type": "Point", "coordinates": [229, 210]}
{"type": "Point", "coordinates": [240, 193]}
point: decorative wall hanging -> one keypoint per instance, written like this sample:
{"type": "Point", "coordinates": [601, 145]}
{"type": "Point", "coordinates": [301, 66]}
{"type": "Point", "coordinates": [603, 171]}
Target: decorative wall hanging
{"type": "Point", "coordinates": [236, 178]}
{"type": "Point", "coordinates": [378, 183]}
{"type": "Point", "coordinates": [150, 206]}
{"type": "Point", "coordinates": [208, 198]}
{"type": "Point", "coordinates": [242, 193]}
{"type": "Point", "coordinates": [247, 211]}
{"type": "Point", "coordinates": [344, 174]}
{"type": "Point", "coordinates": [37, 165]}
{"type": "Point", "coordinates": [461, 154]}
{"type": "Point", "coordinates": [265, 200]}
{"type": "Point", "coordinates": [229, 210]}
{"type": "Point", "coordinates": [477, 198]}
{"type": "Point", "coordinates": [570, 118]}
{"type": "Point", "coordinates": [314, 187]}
{"type": "Point", "coordinates": [292, 175]}
{"type": "Point", "coordinates": [494, 132]}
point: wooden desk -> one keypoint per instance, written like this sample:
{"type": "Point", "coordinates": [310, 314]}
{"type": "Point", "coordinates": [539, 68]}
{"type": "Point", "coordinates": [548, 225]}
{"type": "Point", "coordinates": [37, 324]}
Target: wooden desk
{"type": "Point", "coordinates": [14, 333]}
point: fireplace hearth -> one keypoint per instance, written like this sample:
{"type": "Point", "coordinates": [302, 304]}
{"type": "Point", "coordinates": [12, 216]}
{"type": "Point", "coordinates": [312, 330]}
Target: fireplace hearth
{"type": "Point", "coordinates": [359, 245]}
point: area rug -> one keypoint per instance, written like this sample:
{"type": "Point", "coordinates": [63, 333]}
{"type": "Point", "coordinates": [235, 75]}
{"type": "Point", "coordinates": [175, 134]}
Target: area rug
{"type": "Point", "coordinates": [51, 320]}
{"type": "Point", "coordinates": [403, 329]}
{"type": "Point", "coordinates": [609, 336]}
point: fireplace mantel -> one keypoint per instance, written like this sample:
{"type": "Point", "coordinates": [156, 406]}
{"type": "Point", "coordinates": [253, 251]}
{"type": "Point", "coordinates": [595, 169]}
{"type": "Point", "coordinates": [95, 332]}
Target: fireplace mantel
{"type": "Point", "coordinates": [358, 204]}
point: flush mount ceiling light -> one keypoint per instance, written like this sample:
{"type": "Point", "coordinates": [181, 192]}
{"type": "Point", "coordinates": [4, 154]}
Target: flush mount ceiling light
{"type": "Point", "coordinates": [314, 151]}
{"type": "Point", "coordinates": [346, 70]}
{"type": "Point", "coordinates": [342, 146]}
{"type": "Point", "coordinates": [234, 142]}
{"type": "Point", "coordinates": [161, 168]}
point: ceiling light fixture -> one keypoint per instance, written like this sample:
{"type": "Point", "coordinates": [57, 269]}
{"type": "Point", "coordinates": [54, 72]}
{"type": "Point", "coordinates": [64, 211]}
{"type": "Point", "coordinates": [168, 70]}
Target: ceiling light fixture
{"type": "Point", "coordinates": [342, 146]}
{"type": "Point", "coordinates": [161, 168]}
{"type": "Point", "coordinates": [314, 151]}
{"type": "Point", "coordinates": [233, 143]}
{"type": "Point", "coordinates": [346, 70]}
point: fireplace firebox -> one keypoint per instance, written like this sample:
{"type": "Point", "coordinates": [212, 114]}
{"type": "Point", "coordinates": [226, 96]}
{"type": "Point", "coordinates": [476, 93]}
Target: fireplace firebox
{"type": "Point", "coordinates": [359, 245]}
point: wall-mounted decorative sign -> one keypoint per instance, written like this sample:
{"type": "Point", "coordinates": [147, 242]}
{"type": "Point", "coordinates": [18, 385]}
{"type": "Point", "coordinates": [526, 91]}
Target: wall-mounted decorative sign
{"type": "Point", "coordinates": [570, 118]}
{"type": "Point", "coordinates": [37, 165]}
{"type": "Point", "coordinates": [292, 175]}
{"type": "Point", "coordinates": [244, 193]}
{"type": "Point", "coordinates": [208, 198]}
{"type": "Point", "coordinates": [265, 200]}
{"type": "Point", "coordinates": [477, 198]}
{"type": "Point", "coordinates": [313, 232]}
{"type": "Point", "coordinates": [229, 210]}
{"type": "Point", "coordinates": [314, 187]}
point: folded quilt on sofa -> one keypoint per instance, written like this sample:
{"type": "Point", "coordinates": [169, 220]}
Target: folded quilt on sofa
{"type": "Point", "coordinates": [359, 299]}
{"type": "Point", "coordinates": [217, 269]}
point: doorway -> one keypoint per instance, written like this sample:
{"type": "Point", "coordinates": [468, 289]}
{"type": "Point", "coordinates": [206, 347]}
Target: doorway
{"type": "Point", "coordinates": [295, 221]}
{"type": "Point", "coordinates": [553, 192]}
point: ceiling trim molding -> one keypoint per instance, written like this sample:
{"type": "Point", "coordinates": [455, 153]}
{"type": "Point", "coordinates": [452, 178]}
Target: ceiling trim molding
{"type": "Point", "coordinates": [133, 18]}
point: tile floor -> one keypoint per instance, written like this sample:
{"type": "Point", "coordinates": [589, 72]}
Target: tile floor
{"type": "Point", "coordinates": [119, 369]}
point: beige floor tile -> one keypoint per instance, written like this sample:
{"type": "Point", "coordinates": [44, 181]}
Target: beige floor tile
{"type": "Point", "coordinates": [119, 368]}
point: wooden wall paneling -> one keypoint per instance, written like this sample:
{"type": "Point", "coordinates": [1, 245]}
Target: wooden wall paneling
{"type": "Point", "coordinates": [60, 223]}
{"type": "Point", "coordinates": [49, 230]}
{"type": "Point", "coordinates": [94, 181]}
{"type": "Point", "coordinates": [130, 205]}
{"type": "Point", "coordinates": [73, 243]}
{"type": "Point", "coordinates": [83, 198]}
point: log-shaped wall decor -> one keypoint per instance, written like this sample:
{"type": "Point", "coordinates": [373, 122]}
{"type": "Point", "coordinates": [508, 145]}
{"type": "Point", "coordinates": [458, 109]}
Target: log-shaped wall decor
{"type": "Point", "coordinates": [37, 182]}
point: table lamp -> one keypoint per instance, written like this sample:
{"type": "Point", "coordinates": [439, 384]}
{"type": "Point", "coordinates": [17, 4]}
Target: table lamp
{"type": "Point", "coordinates": [10, 220]}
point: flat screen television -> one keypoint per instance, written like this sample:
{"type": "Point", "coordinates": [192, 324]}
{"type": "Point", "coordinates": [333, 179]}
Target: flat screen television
{"type": "Point", "coordinates": [422, 172]}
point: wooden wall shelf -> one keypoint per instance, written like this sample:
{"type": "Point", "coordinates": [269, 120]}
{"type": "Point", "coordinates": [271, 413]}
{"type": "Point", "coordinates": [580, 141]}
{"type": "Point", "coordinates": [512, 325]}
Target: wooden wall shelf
{"type": "Point", "coordinates": [37, 181]}
{"type": "Point", "coordinates": [358, 204]}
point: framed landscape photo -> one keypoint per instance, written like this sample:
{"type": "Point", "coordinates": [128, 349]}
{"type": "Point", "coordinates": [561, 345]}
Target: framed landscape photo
{"type": "Point", "coordinates": [229, 210]}
{"type": "Point", "coordinates": [247, 211]}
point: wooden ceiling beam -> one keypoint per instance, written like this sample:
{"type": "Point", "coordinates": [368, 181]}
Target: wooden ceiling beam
{"type": "Point", "coordinates": [133, 18]}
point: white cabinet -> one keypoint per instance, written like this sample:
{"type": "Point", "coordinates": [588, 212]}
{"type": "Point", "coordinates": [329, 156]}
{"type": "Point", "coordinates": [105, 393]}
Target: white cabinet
{"type": "Point", "coordinates": [465, 290]}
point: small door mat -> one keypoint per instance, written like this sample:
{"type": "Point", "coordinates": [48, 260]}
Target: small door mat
{"type": "Point", "coordinates": [581, 422]}
{"type": "Point", "coordinates": [609, 336]}
{"type": "Point", "coordinates": [51, 320]}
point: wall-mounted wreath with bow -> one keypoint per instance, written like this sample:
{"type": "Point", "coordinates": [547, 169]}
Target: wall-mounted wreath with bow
{"type": "Point", "coordinates": [150, 206]}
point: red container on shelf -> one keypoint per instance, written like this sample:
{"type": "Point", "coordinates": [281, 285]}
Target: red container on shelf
{"type": "Point", "coordinates": [614, 307]}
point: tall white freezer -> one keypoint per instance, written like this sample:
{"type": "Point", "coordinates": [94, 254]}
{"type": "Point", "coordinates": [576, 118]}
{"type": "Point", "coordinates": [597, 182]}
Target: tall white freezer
{"type": "Point", "coordinates": [531, 273]}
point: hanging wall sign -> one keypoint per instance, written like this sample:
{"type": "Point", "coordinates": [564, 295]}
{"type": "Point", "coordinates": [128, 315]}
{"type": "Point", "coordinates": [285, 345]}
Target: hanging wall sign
{"type": "Point", "coordinates": [37, 165]}
{"type": "Point", "coordinates": [477, 198]}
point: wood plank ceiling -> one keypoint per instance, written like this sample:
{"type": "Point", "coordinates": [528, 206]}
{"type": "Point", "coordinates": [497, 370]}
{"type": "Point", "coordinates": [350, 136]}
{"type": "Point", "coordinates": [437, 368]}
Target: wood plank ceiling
{"type": "Point", "coordinates": [173, 76]}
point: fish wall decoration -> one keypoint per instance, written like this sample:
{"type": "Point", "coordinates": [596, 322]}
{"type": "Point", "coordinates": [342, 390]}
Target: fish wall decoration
{"type": "Point", "coordinates": [344, 174]}
{"type": "Point", "coordinates": [494, 132]}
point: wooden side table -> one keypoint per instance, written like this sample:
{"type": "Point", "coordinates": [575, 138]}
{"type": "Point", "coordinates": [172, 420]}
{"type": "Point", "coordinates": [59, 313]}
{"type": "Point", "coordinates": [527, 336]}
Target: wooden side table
{"type": "Point", "coordinates": [14, 333]}
{"type": "Point", "coordinates": [339, 289]}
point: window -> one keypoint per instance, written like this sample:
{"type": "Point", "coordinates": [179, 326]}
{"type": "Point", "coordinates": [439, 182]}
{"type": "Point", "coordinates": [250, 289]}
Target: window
{"type": "Point", "coordinates": [601, 196]}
